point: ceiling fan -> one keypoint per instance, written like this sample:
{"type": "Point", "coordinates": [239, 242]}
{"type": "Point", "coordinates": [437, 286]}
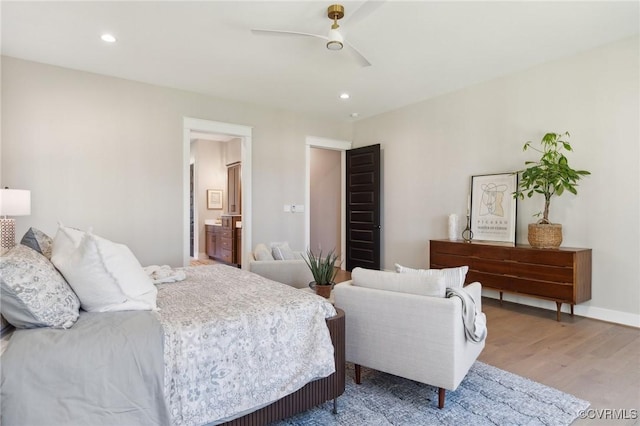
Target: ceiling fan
{"type": "Point", "coordinates": [335, 40]}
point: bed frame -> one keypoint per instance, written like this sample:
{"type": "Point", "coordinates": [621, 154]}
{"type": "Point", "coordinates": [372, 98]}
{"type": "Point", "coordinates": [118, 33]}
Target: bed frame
{"type": "Point", "coordinates": [313, 393]}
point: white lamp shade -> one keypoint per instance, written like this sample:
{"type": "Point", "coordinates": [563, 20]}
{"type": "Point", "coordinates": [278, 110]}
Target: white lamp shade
{"type": "Point", "coordinates": [15, 202]}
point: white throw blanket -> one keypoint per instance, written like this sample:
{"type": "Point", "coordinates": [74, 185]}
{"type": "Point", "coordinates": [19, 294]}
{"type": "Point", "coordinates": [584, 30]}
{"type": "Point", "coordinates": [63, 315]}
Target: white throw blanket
{"type": "Point", "coordinates": [164, 274]}
{"type": "Point", "coordinates": [475, 322]}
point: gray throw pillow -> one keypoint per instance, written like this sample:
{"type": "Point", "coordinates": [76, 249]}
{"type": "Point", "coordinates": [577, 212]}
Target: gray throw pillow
{"type": "Point", "coordinates": [282, 251]}
{"type": "Point", "coordinates": [34, 294]}
{"type": "Point", "coordinates": [39, 241]}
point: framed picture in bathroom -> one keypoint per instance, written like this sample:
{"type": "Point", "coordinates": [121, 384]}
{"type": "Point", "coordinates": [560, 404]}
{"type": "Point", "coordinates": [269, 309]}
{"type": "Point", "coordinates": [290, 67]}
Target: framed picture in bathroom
{"type": "Point", "coordinates": [214, 199]}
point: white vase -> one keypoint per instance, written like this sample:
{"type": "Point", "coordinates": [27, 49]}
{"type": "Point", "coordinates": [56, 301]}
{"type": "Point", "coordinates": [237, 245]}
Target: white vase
{"type": "Point", "coordinates": [453, 227]}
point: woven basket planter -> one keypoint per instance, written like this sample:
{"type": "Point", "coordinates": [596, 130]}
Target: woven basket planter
{"type": "Point", "coordinates": [545, 235]}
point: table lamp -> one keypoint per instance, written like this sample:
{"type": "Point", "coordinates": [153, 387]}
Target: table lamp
{"type": "Point", "coordinates": [13, 202]}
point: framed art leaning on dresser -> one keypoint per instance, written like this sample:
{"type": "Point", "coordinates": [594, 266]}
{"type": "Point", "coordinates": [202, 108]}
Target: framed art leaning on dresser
{"type": "Point", "coordinates": [493, 208]}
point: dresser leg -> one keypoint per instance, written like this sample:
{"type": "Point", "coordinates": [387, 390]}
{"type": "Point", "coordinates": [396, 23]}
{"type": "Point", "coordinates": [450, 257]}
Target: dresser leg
{"type": "Point", "coordinates": [571, 310]}
{"type": "Point", "coordinates": [558, 305]}
{"type": "Point", "coordinates": [358, 370]}
{"type": "Point", "coordinates": [500, 298]}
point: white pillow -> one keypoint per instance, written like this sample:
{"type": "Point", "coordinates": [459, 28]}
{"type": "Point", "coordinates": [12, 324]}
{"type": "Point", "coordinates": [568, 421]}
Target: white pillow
{"type": "Point", "coordinates": [105, 275]}
{"type": "Point", "coordinates": [262, 252]}
{"type": "Point", "coordinates": [453, 277]}
{"type": "Point", "coordinates": [65, 242]}
{"type": "Point", "coordinates": [282, 251]}
{"type": "Point", "coordinates": [424, 285]}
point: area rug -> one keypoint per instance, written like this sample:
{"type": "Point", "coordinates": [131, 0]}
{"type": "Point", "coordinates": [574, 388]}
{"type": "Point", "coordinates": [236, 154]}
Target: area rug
{"type": "Point", "coordinates": [487, 396]}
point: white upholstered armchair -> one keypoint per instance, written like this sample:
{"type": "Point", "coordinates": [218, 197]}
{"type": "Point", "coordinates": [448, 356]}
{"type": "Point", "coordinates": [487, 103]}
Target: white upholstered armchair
{"type": "Point", "coordinates": [289, 269]}
{"type": "Point", "coordinates": [417, 336]}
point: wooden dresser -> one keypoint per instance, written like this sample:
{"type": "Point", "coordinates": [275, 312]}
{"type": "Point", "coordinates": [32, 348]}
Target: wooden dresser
{"type": "Point", "coordinates": [562, 275]}
{"type": "Point", "coordinates": [222, 241]}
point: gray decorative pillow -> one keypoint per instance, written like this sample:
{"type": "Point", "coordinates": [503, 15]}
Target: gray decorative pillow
{"type": "Point", "coordinates": [282, 251]}
{"type": "Point", "coordinates": [39, 241]}
{"type": "Point", "coordinates": [34, 294]}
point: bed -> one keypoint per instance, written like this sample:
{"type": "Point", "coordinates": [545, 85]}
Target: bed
{"type": "Point", "coordinates": [226, 346]}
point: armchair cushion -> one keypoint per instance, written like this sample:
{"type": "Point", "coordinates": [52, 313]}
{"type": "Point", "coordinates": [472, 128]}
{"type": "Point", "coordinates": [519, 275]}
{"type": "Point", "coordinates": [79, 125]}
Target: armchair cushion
{"type": "Point", "coordinates": [453, 277]}
{"type": "Point", "coordinates": [419, 284]}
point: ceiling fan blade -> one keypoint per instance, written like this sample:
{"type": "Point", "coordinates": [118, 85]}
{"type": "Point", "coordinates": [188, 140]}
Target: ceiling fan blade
{"type": "Point", "coordinates": [362, 12]}
{"type": "Point", "coordinates": [282, 32]}
{"type": "Point", "coordinates": [359, 56]}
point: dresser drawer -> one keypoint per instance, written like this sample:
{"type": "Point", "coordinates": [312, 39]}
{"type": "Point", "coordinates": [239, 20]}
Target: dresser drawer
{"type": "Point", "coordinates": [558, 274]}
{"type": "Point", "coordinates": [543, 257]}
{"type": "Point", "coordinates": [512, 284]}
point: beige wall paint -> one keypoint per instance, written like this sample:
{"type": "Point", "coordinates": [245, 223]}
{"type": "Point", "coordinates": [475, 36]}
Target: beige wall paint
{"type": "Point", "coordinates": [106, 153]}
{"type": "Point", "coordinates": [325, 200]}
{"type": "Point", "coordinates": [431, 150]}
{"type": "Point", "coordinates": [233, 151]}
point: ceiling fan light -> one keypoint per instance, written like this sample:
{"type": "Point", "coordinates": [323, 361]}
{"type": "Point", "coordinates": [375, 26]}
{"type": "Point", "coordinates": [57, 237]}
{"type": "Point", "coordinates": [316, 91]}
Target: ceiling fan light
{"type": "Point", "coordinates": [334, 45]}
{"type": "Point", "coordinates": [335, 40]}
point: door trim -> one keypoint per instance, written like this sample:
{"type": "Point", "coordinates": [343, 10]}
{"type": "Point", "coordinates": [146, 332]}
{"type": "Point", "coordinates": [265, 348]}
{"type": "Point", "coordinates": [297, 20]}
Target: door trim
{"type": "Point", "coordinates": [336, 145]}
{"type": "Point", "coordinates": [237, 130]}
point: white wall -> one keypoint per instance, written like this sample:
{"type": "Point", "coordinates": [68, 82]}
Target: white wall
{"type": "Point", "coordinates": [106, 153]}
{"type": "Point", "coordinates": [431, 149]}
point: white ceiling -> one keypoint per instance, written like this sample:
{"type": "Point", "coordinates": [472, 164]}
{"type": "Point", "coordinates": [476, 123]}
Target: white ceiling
{"type": "Point", "coordinates": [418, 49]}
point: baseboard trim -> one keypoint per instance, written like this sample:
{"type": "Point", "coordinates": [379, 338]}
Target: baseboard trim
{"type": "Point", "coordinates": [602, 314]}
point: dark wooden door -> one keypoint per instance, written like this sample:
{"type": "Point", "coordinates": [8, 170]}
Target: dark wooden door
{"type": "Point", "coordinates": [363, 208]}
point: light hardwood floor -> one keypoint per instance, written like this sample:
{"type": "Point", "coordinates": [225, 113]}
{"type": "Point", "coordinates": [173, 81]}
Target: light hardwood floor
{"type": "Point", "coordinates": [593, 360]}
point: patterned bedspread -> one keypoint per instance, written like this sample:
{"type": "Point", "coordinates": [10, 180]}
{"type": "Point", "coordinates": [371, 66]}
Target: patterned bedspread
{"type": "Point", "coordinates": [235, 341]}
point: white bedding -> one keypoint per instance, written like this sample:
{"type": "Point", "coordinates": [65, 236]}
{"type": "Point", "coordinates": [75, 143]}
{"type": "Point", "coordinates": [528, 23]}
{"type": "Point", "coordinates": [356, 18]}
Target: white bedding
{"type": "Point", "coordinates": [242, 343]}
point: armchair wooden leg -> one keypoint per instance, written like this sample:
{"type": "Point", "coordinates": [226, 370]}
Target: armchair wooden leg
{"type": "Point", "coordinates": [358, 371]}
{"type": "Point", "coordinates": [441, 392]}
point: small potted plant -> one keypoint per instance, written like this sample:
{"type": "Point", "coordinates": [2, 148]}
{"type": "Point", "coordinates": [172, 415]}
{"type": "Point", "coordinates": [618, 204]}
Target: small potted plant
{"type": "Point", "coordinates": [323, 270]}
{"type": "Point", "coordinates": [549, 176]}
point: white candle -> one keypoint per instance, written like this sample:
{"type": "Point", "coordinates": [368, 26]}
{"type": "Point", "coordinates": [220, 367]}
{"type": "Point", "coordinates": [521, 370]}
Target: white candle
{"type": "Point", "coordinates": [468, 204]}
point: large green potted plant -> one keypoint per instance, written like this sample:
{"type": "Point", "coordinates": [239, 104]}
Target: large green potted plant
{"type": "Point", "coordinates": [323, 270]}
{"type": "Point", "coordinates": [550, 175]}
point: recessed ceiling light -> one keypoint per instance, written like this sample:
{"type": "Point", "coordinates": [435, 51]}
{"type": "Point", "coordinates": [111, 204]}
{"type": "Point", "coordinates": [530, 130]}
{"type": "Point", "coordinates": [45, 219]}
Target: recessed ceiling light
{"type": "Point", "coordinates": [108, 38]}
{"type": "Point", "coordinates": [354, 115]}
{"type": "Point", "coordinates": [344, 96]}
